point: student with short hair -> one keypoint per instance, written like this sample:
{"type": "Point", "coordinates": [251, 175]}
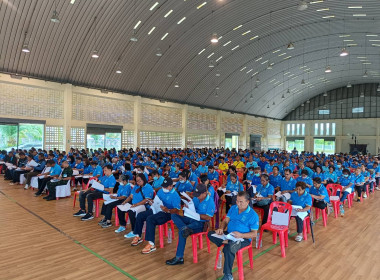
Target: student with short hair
{"type": "Point", "coordinates": [35, 170]}
{"type": "Point", "coordinates": [157, 180]}
{"type": "Point", "coordinates": [241, 221]}
{"type": "Point", "coordinates": [65, 176]}
{"type": "Point", "coordinates": [264, 196]}
{"type": "Point", "coordinates": [108, 181]}
{"type": "Point", "coordinates": [55, 171]}
{"type": "Point", "coordinates": [232, 186]}
{"type": "Point", "coordinates": [183, 185]}
{"type": "Point", "coordinates": [319, 192]}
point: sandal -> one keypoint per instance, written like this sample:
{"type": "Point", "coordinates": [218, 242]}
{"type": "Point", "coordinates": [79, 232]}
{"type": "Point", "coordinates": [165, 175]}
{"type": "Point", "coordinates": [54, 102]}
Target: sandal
{"type": "Point", "coordinates": [298, 238]}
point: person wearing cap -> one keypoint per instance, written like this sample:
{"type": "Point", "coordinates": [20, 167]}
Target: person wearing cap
{"type": "Point", "coordinates": [205, 207]}
{"type": "Point", "coordinates": [212, 174]}
{"type": "Point", "coordinates": [123, 192]}
{"type": "Point", "coordinates": [63, 178]}
{"type": "Point", "coordinates": [171, 205]}
{"type": "Point", "coordinates": [183, 185]}
{"type": "Point", "coordinates": [242, 222]}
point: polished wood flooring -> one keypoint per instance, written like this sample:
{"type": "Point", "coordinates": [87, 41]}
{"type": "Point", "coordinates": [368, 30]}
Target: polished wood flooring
{"type": "Point", "coordinates": [42, 240]}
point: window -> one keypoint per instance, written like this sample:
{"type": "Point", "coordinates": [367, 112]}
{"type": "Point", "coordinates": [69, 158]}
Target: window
{"type": "Point", "coordinates": [293, 128]}
{"type": "Point", "coordinates": [324, 128]}
{"type": "Point", "coordinates": [298, 144]}
{"type": "Point", "coordinates": [316, 129]}
{"type": "Point", "coordinates": [324, 112]}
{"type": "Point", "coordinates": [303, 129]}
{"type": "Point", "coordinates": [288, 129]}
{"type": "Point", "coordinates": [298, 128]}
{"type": "Point", "coordinates": [201, 141]}
{"type": "Point", "coordinates": [321, 129]}
{"type": "Point", "coordinates": [327, 128]}
{"type": "Point", "coordinates": [127, 139]}
{"type": "Point", "coordinates": [21, 136]}
{"type": "Point", "coordinates": [54, 137]}
{"type": "Point", "coordinates": [77, 137]}
{"type": "Point", "coordinates": [357, 110]}
{"type": "Point", "coordinates": [333, 129]}
{"type": "Point", "coordinates": [326, 146]}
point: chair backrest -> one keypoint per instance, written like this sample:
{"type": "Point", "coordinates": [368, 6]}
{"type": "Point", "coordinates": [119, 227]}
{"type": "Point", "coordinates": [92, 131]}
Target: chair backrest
{"type": "Point", "coordinates": [334, 188]}
{"type": "Point", "coordinates": [215, 184]}
{"type": "Point", "coordinates": [281, 207]}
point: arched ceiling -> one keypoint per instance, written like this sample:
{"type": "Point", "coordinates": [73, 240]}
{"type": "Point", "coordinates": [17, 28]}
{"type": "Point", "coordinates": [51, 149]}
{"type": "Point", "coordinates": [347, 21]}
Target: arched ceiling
{"type": "Point", "coordinates": [252, 35]}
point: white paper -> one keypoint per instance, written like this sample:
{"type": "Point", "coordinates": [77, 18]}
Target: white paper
{"type": "Point", "coordinates": [232, 193]}
{"type": "Point", "coordinates": [32, 163]}
{"type": "Point", "coordinates": [191, 214]}
{"type": "Point", "coordinates": [189, 203]}
{"type": "Point", "coordinates": [18, 169]}
{"type": "Point", "coordinates": [54, 180]}
{"type": "Point", "coordinates": [79, 176]}
{"type": "Point", "coordinates": [280, 219]}
{"type": "Point", "coordinates": [97, 185]}
{"type": "Point", "coordinates": [156, 206]}
{"type": "Point", "coordinates": [138, 209]}
{"type": "Point", "coordinates": [253, 188]}
{"type": "Point", "coordinates": [222, 189]}
{"type": "Point", "coordinates": [334, 197]}
{"type": "Point", "coordinates": [2, 162]}
{"type": "Point", "coordinates": [75, 172]}
{"type": "Point", "coordinates": [86, 177]}
{"type": "Point", "coordinates": [278, 194]}
{"type": "Point", "coordinates": [302, 215]}
{"type": "Point", "coordinates": [227, 237]}
{"type": "Point", "coordinates": [124, 207]}
{"type": "Point", "coordinates": [287, 196]}
{"type": "Point", "coordinates": [107, 199]}
{"type": "Point", "coordinates": [259, 195]}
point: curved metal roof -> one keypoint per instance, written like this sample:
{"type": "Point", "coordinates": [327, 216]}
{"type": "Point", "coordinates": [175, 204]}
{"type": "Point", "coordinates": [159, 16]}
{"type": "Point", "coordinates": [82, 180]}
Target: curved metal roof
{"type": "Point", "coordinates": [252, 35]}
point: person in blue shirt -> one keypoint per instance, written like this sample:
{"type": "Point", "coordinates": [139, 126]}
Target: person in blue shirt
{"type": "Point", "coordinates": [183, 185]}
{"type": "Point", "coordinates": [79, 166]}
{"type": "Point", "coordinates": [262, 163]}
{"type": "Point", "coordinates": [174, 172]}
{"type": "Point", "coordinates": [347, 183]}
{"type": "Point", "coordinates": [205, 181]}
{"type": "Point", "coordinates": [212, 174]}
{"type": "Point", "coordinates": [205, 207]}
{"type": "Point", "coordinates": [241, 222]}
{"type": "Point", "coordinates": [306, 179]}
{"type": "Point", "coordinates": [359, 181]}
{"type": "Point", "coordinates": [171, 204]}
{"type": "Point", "coordinates": [202, 169]}
{"type": "Point", "coordinates": [264, 196]}
{"type": "Point", "coordinates": [251, 163]}
{"type": "Point", "coordinates": [319, 173]}
{"type": "Point", "coordinates": [309, 171]}
{"type": "Point", "coordinates": [330, 177]}
{"type": "Point", "coordinates": [193, 179]}
{"type": "Point", "coordinates": [55, 171]}
{"type": "Point", "coordinates": [287, 185]}
{"type": "Point", "coordinates": [108, 181]}
{"type": "Point", "coordinates": [233, 186]}
{"type": "Point", "coordinates": [157, 180]}
{"type": "Point", "coordinates": [366, 176]}
{"type": "Point", "coordinates": [300, 198]}
{"type": "Point", "coordinates": [269, 167]}
{"type": "Point", "coordinates": [124, 191]}
{"type": "Point", "coordinates": [87, 169]}
{"type": "Point", "coordinates": [320, 194]}
{"type": "Point", "coordinates": [275, 178]}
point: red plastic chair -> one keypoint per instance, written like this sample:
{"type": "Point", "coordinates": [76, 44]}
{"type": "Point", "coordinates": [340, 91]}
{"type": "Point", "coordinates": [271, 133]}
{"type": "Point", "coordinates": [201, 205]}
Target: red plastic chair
{"type": "Point", "coordinates": [239, 259]}
{"type": "Point", "coordinates": [261, 210]}
{"type": "Point", "coordinates": [324, 214]}
{"type": "Point", "coordinates": [215, 184]}
{"type": "Point", "coordinates": [335, 204]}
{"type": "Point", "coordinates": [163, 229]}
{"type": "Point", "coordinates": [306, 227]}
{"type": "Point", "coordinates": [282, 231]}
{"type": "Point", "coordinates": [85, 188]}
{"type": "Point", "coordinates": [240, 176]}
{"type": "Point", "coordinates": [222, 179]}
{"type": "Point", "coordinates": [199, 237]}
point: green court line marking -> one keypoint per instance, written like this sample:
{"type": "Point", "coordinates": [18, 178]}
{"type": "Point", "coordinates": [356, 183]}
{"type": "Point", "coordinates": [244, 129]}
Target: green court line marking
{"type": "Point", "coordinates": [265, 251]}
{"type": "Point", "coordinates": [71, 238]}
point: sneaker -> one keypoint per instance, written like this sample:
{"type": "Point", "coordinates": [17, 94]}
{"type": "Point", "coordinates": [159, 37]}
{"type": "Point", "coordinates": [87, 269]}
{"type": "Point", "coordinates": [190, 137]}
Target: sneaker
{"type": "Point", "coordinates": [298, 238]}
{"type": "Point", "coordinates": [26, 187]}
{"type": "Point", "coordinates": [80, 213]}
{"type": "Point", "coordinates": [364, 195]}
{"type": "Point", "coordinates": [228, 277]}
{"type": "Point", "coordinates": [120, 229]}
{"type": "Point", "coordinates": [148, 249]}
{"type": "Point", "coordinates": [75, 189]}
{"type": "Point", "coordinates": [12, 184]}
{"type": "Point", "coordinates": [87, 217]}
{"type": "Point", "coordinates": [136, 241]}
{"type": "Point", "coordinates": [106, 224]}
{"type": "Point", "coordinates": [130, 235]}
{"type": "Point", "coordinates": [377, 188]}
{"type": "Point", "coordinates": [102, 221]}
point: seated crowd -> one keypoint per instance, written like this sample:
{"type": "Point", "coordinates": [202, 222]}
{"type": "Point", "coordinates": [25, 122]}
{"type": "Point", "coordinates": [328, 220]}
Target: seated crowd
{"type": "Point", "coordinates": [190, 185]}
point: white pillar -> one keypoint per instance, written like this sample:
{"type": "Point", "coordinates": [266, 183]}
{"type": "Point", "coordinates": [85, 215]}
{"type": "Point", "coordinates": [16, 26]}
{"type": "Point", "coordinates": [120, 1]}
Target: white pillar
{"type": "Point", "coordinates": [219, 137]}
{"type": "Point", "coordinates": [67, 114]}
{"type": "Point", "coordinates": [184, 126]}
{"type": "Point", "coordinates": [136, 118]}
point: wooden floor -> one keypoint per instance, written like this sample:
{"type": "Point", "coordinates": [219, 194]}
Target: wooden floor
{"type": "Point", "coordinates": [42, 240]}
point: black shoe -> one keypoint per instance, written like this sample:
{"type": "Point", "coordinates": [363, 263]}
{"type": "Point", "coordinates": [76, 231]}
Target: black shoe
{"type": "Point", "coordinates": [358, 200]}
{"type": "Point", "coordinates": [37, 194]}
{"type": "Point", "coordinates": [46, 197]}
{"type": "Point", "coordinates": [50, 198]}
{"type": "Point", "coordinates": [87, 217]}
{"type": "Point", "coordinates": [175, 261]}
{"type": "Point", "coordinates": [102, 221]}
{"type": "Point", "coordinates": [80, 213]}
{"type": "Point", "coordinates": [106, 225]}
{"type": "Point", "coordinates": [186, 232]}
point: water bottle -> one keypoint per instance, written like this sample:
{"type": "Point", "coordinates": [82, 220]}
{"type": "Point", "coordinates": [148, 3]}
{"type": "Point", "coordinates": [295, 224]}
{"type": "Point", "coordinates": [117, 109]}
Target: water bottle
{"type": "Point", "coordinates": [219, 264]}
{"type": "Point", "coordinates": [170, 235]}
{"type": "Point", "coordinates": [257, 241]}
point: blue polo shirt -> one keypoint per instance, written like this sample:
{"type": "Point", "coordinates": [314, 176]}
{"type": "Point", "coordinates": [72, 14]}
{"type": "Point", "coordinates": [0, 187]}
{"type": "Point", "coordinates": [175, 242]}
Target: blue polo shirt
{"type": "Point", "coordinates": [211, 190]}
{"type": "Point", "coordinates": [108, 181]}
{"type": "Point", "coordinates": [55, 170]}
{"type": "Point", "coordinates": [88, 169]}
{"type": "Point", "coordinates": [124, 190]}
{"type": "Point", "coordinates": [193, 178]}
{"type": "Point", "coordinates": [184, 187]}
{"type": "Point", "coordinates": [358, 178]}
{"type": "Point", "coordinates": [158, 182]}
{"type": "Point", "coordinates": [319, 175]}
{"type": "Point", "coordinates": [237, 187]}
{"type": "Point", "coordinates": [302, 200]}
{"type": "Point", "coordinates": [288, 185]}
{"type": "Point", "coordinates": [171, 200]}
{"type": "Point", "coordinates": [174, 174]}
{"type": "Point", "coordinates": [275, 180]}
{"type": "Point", "coordinates": [244, 222]}
{"type": "Point", "coordinates": [307, 180]}
{"type": "Point", "coordinates": [98, 171]}
{"type": "Point", "coordinates": [147, 190]}
{"type": "Point", "coordinates": [331, 176]}
{"type": "Point", "coordinates": [79, 165]}
{"type": "Point", "coordinates": [202, 169]}
{"type": "Point", "coordinates": [249, 164]}
{"type": "Point", "coordinates": [321, 191]}
{"type": "Point", "coordinates": [214, 176]}
{"type": "Point", "coordinates": [206, 207]}
{"type": "Point", "coordinates": [265, 191]}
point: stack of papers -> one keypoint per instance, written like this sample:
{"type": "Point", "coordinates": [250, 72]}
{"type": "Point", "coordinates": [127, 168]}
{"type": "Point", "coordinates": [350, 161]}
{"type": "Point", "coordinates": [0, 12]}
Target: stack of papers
{"type": "Point", "coordinates": [232, 193]}
{"type": "Point", "coordinates": [126, 207]}
{"type": "Point", "coordinates": [75, 172]}
{"type": "Point", "coordinates": [107, 199]}
{"type": "Point", "coordinates": [334, 197]}
{"type": "Point", "coordinates": [156, 206]}
{"type": "Point", "coordinates": [32, 163]}
{"type": "Point", "coordinates": [222, 189]}
{"type": "Point", "coordinates": [189, 210]}
{"type": "Point", "coordinates": [97, 186]}
{"type": "Point", "coordinates": [279, 194]}
{"type": "Point", "coordinates": [227, 237]}
{"type": "Point", "coordinates": [302, 215]}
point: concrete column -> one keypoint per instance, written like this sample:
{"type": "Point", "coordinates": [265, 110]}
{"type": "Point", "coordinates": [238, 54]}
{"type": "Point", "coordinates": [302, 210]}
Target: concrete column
{"type": "Point", "coordinates": [137, 118]}
{"type": "Point", "coordinates": [220, 136]}
{"type": "Point", "coordinates": [67, 115]}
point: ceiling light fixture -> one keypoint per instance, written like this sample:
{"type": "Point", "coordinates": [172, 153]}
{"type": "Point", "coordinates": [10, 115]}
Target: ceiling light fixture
{"type": "Point", "coordinates": [214, 38]}
{"type": "Point", "coordinates": [118, 71]}
{"type": "Point", "coordinates": [133, 38]}
{"type": "Point", "coordinates": [169, 75]}
{"type": "Point", "coordinates": [283, 96]}
{"type": "Point", "coordinates": [344, 52]}
{"type": "Point", "coordinates": [268, 106]}
{"type": "Point", "coordinates": [211, 64]}
{"type": "Point", "coordinates": [176, 84]}
{"type": "Point", "coordinates": [302, 5]}
{"type": "Point", "coordinates": [288, 92]}
{"type": "Point", "coordinates": [303, 82]}
{"type": "Point", "coordinates": [325, 94]}
{"type": "Point", "coordinates": [158, 52]}
{"type": "Point", "coordinates": [349, 85]}
{"type": "Point", "coordinates": [290, 46]}
{"type": "Point", "coordinates": [307, 101]}
{"type": "Point", "coordinates": [328, 69]}
{"type": "Point", "coordinates": [217, 74]}
{"type": "Point", "coordinates": [95, 54]}
{"type": "Point", "coordinates": [365, 75]}
{"type": "Point", "coordinates": [362, 94]}
{"type": "Point", "coordinates": [251, 96]}
{"type": "Point", "coordinates": [54, 18]}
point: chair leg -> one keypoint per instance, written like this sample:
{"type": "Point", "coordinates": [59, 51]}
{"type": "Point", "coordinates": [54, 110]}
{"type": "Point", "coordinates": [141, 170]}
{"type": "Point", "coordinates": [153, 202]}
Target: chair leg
{"type": "Point", "coordinates": [274, 236]}
{"type": "Point", "coordinates": [261, 237]}
{"type": "Point", "coordinates": [286, 238]}
{"type": "Point", "coordinates": [317, 213]}
{"type": "Point", "coordinates": [304, 231]}
{"type": "Point", "coordinates": [217, 257]}
{"type": "Point", "coordinates": [239, 260]}
{"type": "Point", "coordinates": [116, 217]}
{"type": "Point", "coordinates": [97, 208]}
{"type": "Point", "coordinates": [200, 238]}
{"type": "Point", "coordinates": [166, 229]}
{"type": "Point", "coordinates": [250, 254]}
{"type": "Point", "coordinates": [208, 244]}
{"type": "Point", "coordinates": [161, 230]}
{"type": "Point", "coordinates": [282, 244]}
{"type": "Point", "coordinates": [324, 217]}
{"type": "Point", "coordinates": [75, 199]}
{"type": "Point", "coordinates": [195, 248]}
{"type": "Point", "coordinates": [172, 227]}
